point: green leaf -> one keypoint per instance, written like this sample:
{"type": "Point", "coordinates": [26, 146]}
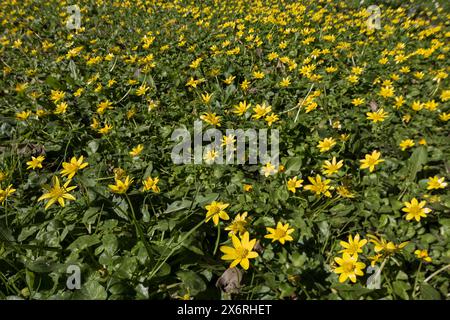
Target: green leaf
{"type": "Point", "coordinates": [92, 290]}
{"type": "Point", "coordinates": [84, 242]}
{"type": "Point", "coordinates": [416, 162]}
{"type": "Point", "coordinates": [427, 292]}
{"type": "Point", "coordinates": [293, 165]}
{"type": "Point", "coordinates": [192, 281]}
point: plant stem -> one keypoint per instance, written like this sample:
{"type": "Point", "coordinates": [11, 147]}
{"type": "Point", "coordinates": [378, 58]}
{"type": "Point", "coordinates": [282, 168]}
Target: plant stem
{"type": "Point", "coordinates": [218, 239]}
{"type": "Point", "coordinates": [416, 281]}
{"type": "Point", "coordinates": [138, 227]}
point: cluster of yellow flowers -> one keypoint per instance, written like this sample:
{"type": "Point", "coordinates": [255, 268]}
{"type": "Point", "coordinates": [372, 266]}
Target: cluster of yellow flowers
{"type": "Point", "coordinates": [243, 248]}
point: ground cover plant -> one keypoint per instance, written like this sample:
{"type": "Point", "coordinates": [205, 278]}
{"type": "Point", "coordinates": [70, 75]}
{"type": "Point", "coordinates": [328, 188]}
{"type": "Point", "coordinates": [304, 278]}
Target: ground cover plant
{"type": "Point", "coordinates": [93, 206]}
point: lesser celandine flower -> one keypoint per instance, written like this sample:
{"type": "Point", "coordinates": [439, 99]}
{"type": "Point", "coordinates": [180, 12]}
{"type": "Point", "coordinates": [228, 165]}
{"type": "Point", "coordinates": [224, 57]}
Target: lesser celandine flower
{"type": "Point", "coordinates": [211, 118]}
{"type": "Point", "coordinates": [326, 144]}
{"type": "Point", "coordinates": [319, 186]}
{"type": "Point", "coordinates": [331, 167]}
{"type": "Point", "coordinates": [415, 209]}
{"type": "Point", "coordinates": [241, 108]}
{"type": "Point", "coordinates": [293, 184]}
{"type": "Point", "coordinates": [35, 163]}
{"type": "Point", "coordinates": [423, 255]}
{"type": "Point", "coordinates": [405, 144]}
{"type": "Point", "coordinates": [241, 252]}
{"type": "Point", "coordinates": [261, 110]}
{"type": "Point", "coordinates": [151, 184]}
{"type": "Point", "coordinates": [436, 183]}
{"type": "Point", "coordinates": [377, 116]}
{"type": "Point", "coordinates": [5, 193]}
{"type": "Point", "coordinates": [353, 246]}
{"type": "Point", "coordinates": [136, 150]}
{"type": "Point", "coordinates": [72, 167]}
{"type": "Point", "coordinates": [381, 245]}
{"type": "Point", "coordinates": [121, 187]}
{"type": "Point", "coordinates": [269, 169]}
{"type": "Point", "coordinates": [216, 211]}
{"type": "Point", "coordinates": [371, 160]}
{"type": "Point", "coordinates": [58, 193]}
{"type": "Point", "coordinates": [349, 267]}
{"type": "Point", "coordinates": [238, 225]}
{"type": "Point", "coordinates": [281, 233]}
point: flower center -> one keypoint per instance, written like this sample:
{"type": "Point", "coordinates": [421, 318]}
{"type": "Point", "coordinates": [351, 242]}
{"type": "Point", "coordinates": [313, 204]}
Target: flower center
{"type": "Point", "coordinates": [348, 267]}
{"type": "Point", "coordinates": [279, 233]}
{"type": "Point", "coordinates": [241, 252]}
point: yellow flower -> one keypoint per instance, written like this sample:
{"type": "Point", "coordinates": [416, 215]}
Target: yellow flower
{"type": "Point", "coordinates": [206, 98]}
{"type": "Point", "coordinates": [216, 211]}
{"type": "Point", "coordinates": [399, 101]}
{"type": "Point", "coordinates": [374, 259]}
{"type": "Point", "coordinates": [423, 255]}
{"type": "Point", "coordinates": [258, 74]}
{"type": "Point", "coordinates": [353, 246]}
{"type": "Point", "coordinates": [332, 167]}
{"type": "Point", "coordinates": [294, 184]}
{"type": "Point", "coordinates": [353, 78]}
{"type": "Point", "coordinates": [229, 80]}
{"type": "Point", "coordinates": [241, 109]}
{"type": "Point", "coordinates": [357, 101]}
{"type": "Point", "coordinates": [211, 118]}
{"type": "Point", "coordinates": [344, 192]}
{"type": "Point", "coordinates": [326, 144]}
{"type": "Point", "coordinates": [270, 119]}
{"type": "Point", "coordinates": [24, 115]}
{"type": "Point", "coordinates": [238, 225]}
{"type": "Point", "coordinates": [58, 193]}
{"type": "Point", "coordinates": [444, 116]}
{"type": "Point", "coordinates": [261, 110]}
{"type": "Point", "coordinates": [436, 183]}
{"type": "Point", "coordinates": [229, 141]}
{"type": "Point", "coordinates": [271, 56]}
{"type": "Point", "coordinates": [405, 144]}
{"type": "Point", "coordinates": [387, 91]}
{"type": "Point", "coordinates": [318, 186]}
{"type": "Point", "coordinates": [431, 105]}
{"type": "Point", "coordinates": [281, 233]}
{"type": "Point", "coordinates": [417, 106]}
{"type": "Point", "coordinates": [151, 184]}
{"type": "Point", "coordinates": [269, 169]}
{"type": "Point", "coordinates": [95, 123]}
{"type": "Point", "coordinates": [103, 106]}
{"type": "Point", "coordinates": [382, 245]}
{"type": "Point", "coordinates": [445, 95]}
{"type": "Point", "coordinates": [105, 129]}
{"type": "Point", "coordinates": [245, 84]}
{"type": "Point", "coordinates": [416, 210]}
{"type": "Point", "coordinates": [57, 96]}
{"type": "Point", "coordinates": [248, 187]}
{"type": "Point", "coordinates": [285, 82]}
{"type": "Point", "coordinates": [196, 63]}
{"type": "Point", "coordinates": [121, 187]}
{"type": "Point", "coordinates": [35, 163]}
{"type": "Point", "coordinates": [61, 108]}
{"type": "Point", "coordinates": [142, 90]}
{"type": "Point", "coordinates": [241, 251]}
{"type": "Point", "coordinates": [377, 116]}
{"type": "Point", "coordinates": [72, 167]}
{"type": "Point", "coordinates": [136, 150]}
{"type": "Point", "coordinates": [210, 156]}
{"type": "Point", "coordinates": [371, 160]}
{"type": "Point", "coordinates": [349, 267]}
{"type": "Point", "coordinates": [5, 193]}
